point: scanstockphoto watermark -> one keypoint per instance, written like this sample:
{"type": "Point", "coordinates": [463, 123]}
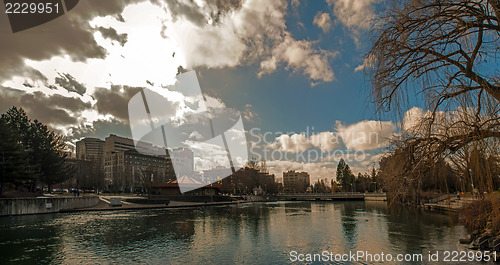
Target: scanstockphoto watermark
{"type": "Point", "coordinates": [310, 146]}
{"type": "Point", "coordinates": [455, 256]}
{"type": "Point", "coordinates": [353, 256]}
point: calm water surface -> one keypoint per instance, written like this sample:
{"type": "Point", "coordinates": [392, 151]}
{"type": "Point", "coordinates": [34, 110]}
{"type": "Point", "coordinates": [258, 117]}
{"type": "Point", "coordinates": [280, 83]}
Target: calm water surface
{"type": "Point", "coordinates": [257, 233]}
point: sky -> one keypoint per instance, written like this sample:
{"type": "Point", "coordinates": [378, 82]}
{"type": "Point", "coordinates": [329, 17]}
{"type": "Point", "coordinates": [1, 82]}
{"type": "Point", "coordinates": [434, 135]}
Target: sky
{"type": "Point", "coordinates": [293, 70]}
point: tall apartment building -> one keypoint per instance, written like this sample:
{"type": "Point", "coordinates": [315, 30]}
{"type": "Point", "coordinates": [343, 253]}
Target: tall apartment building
{"type": "Point", "coordinates": [129, 169]}
{"type": "Point", "coordinates": [295, 181]}
{"type": "Point", "coordinates": [90, 149]}
{"type": "Point", "coordinates": [90, 163]}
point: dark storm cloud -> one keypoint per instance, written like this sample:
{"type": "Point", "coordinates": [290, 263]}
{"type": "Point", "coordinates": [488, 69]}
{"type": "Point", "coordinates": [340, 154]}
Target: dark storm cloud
{"type": "Point", "coordinates": [191, 11]}
{"type": "Point", "coordinates": [188, 10]}
{"type": "Point", "coordinates": [69, 83]}
{"type": "Point", "coordinates": [110, 33]}
{"type": "Point", "coordinates": [69, 34]}
{"type": "Point", "coordinates": [54, 109]}
{"type": "Point", "coordinates": [24, 71]}
{"type": "Point", "coordinates": [72, 35]}
{"type": "Point", "coordinates": [223, 6]}
{"type": "Point", "coordinates": [114, 101]}
{"type": "Point", "coordinates": [72, 104]}
{"type": "Point", "coordinates": [100, 129]}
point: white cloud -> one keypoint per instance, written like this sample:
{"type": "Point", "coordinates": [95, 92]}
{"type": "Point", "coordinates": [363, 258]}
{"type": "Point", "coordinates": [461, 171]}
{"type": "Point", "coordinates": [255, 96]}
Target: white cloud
{"type": "Point", "coordinates": [211, 46]}
{"type": "Point", "coordinates": [354, 13]}
{"type": "Point", "coordinates": [361, 136]}
{"type": "Point", "coordinates": [326, 141]}
{"type": "Point", "coordinates": [294, 143]}
{"type": "Point", "coordinates": [416, 120]}
{"type": "Point", "coordinates": [366, 135]}
{"type": "Point", "coordinates": [316, 170]}
{"type": "Point", "coordinates": [412, 119]}
{"type": "Point", "coordinates": [322, 20]}
{"type": "Point", "coordinates": [254, 32]}
{"type": "Point", "coordinates": [300, 57]}
{"type": "Point", "coordinates": [368, 62]}
{"type": "Point", "coordinates": [321, 170]}
{"type": "Point", "coordinates": [249, 114]}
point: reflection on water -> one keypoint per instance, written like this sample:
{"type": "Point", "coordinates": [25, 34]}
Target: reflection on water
{"type": "Point", "coordinates": [258, 233]}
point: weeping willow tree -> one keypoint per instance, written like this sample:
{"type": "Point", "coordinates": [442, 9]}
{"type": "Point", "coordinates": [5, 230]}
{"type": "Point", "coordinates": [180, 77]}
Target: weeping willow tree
{"type": "Point", "coordinates": [446, 52]}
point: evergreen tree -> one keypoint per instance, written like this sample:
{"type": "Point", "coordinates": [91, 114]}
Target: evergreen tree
{"type": "Point", "coordinates": [47, 154]}
{"type": "Point", "coordinates": [14, 166]}
{"type": "Point", "coordinates": [345, 177]}
{"type": "Point", "coordinates": [43, 150]}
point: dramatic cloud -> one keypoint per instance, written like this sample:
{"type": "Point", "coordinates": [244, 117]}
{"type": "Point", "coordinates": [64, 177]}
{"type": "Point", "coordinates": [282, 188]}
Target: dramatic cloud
{"type": "Point", "coordinates": [69, 34]}
{"type": "Point", "coordinates": [366, 135]}
{"type": "Point", "coordinates": [325, 141]}
{"type": "Point", "coordinates": [316, 171]}
{"type": "Point", "coordinates": [412, 119]}
{"type": "Point", "coordinates": [53, 110]}
{"type": "Point", "coordinates": [368, 62]}
{"type": "Point", "coordinates": [254, 31]}
{"type": "Point", "coordinates": [294, 143]}
{"type": "Point", "coordinates": [416, 120]}
{"type": "Point", "coordinates": [69, 83]}
{"type": "Point", "coordinates": [300, 56]}
{"type": "Point", "coordinates": [110, 33]}
{"type": "Point", "coordinates": [356, 15]}
{"type": "Point", "coordinates": [78, 53]}
{"type": "Point", "coordinates": [358, 162]}
{"type": "Point", "coordinates": [100, 128]}
{"type": "Point", "coordinates": [361, 136]}
{"type": "Point", "coordinates": [297, 143]}
{"type": "Point", "coordinates": [322, 20]}
{"type": "Point", "coordinates": [202, 12]}
{"type": "Point", "coordinates": [114, 101]}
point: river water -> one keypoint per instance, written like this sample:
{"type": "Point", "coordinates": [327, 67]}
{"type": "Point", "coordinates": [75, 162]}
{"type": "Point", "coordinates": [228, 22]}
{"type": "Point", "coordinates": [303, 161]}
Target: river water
{"type": "Point", "coordinates": [253, 233]}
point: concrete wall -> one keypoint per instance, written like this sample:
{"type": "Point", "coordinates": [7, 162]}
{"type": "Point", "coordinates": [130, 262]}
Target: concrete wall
{"type": "Point", "coordinates": [44, 205]}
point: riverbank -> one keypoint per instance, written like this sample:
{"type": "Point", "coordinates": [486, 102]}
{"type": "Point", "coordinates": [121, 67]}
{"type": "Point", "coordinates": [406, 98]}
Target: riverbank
{"type": "Point", "coordinates": [104, 205]}
{"type": "Point", "coordinates": [449, 204]}
{"type": "Point", "coordinates": [108, 202]}
{"type": "Point", "coordinates": [42, 205]}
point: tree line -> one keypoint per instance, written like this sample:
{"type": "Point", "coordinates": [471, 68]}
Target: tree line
{"type": "Point", "coordinates": [348, 182]}
{"type": "Point", "coordinates": [30, 153]}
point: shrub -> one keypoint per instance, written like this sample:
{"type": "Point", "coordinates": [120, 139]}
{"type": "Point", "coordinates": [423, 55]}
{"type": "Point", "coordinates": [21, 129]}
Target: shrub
{"type": "Point", "coordinates": [475, 215]}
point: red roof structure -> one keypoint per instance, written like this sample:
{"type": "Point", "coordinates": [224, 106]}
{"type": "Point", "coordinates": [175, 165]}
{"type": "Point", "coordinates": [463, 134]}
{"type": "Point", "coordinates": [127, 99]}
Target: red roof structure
{"type": "Point", "coordinates": [186, 182]}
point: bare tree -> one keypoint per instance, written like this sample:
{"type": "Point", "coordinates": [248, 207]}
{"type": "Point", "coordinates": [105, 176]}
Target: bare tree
{"type": "Point", "coordinates": [445, 51]}
{"type": "Point", "coordinates": [448, 46]}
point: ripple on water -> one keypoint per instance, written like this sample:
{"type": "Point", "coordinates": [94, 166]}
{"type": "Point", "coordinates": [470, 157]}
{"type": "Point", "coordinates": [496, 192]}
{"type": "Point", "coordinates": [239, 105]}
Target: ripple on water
{"type": "Point", "coordinates": [257, 233]}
